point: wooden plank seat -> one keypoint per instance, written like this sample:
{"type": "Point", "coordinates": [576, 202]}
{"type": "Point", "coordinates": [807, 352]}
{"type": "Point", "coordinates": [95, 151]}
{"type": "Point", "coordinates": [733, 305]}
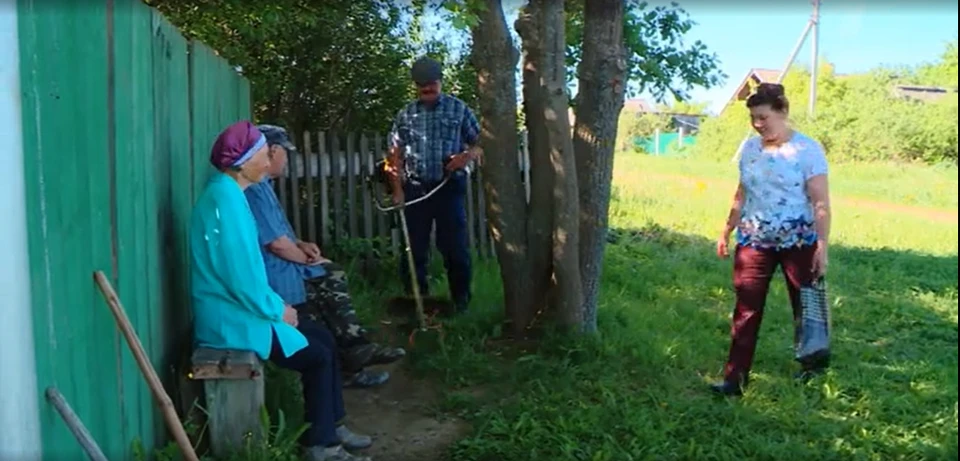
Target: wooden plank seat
{"type": "Point", "coordinates": [233, 386]}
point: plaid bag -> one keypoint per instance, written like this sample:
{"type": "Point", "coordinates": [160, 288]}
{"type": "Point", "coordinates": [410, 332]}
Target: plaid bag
{"type": "Point", "coordinates": [812, 348]}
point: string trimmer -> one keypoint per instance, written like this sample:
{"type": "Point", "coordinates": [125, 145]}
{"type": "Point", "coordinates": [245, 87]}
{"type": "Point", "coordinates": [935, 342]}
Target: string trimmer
{"type": "Point", "coordinates": [380, 175]}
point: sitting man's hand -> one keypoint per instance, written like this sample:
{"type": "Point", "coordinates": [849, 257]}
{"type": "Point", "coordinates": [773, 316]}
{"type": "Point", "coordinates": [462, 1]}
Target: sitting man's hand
{"type": "Point", "coordinates": [290, 316]}
{"type": "Point", "coordinates": [311, 249]}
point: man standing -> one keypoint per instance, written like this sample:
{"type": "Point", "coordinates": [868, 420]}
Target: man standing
{"type": "Point", "coordinates": [305, 279]}
{"type": "Point", "coordinates": [433, 137]}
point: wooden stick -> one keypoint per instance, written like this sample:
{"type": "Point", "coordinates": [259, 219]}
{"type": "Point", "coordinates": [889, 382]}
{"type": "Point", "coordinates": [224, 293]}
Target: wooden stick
{"type": "Point", "coordinates": [163, 400]}
{"type": "Point", "coordinates": [75, 425]}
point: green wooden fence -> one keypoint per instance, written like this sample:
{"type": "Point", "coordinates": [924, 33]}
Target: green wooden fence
{"type": "Point", "coordinates": [119, 112]}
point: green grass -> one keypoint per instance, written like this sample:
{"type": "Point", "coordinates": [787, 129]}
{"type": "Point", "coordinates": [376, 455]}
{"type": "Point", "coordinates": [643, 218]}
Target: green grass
{"type": "Point", "coordinates": [903, 184]}
{"type": "Point", "coordinates": [638, 390]}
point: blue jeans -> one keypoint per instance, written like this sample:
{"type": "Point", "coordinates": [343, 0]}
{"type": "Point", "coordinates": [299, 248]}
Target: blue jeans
{"type": "Point", "coordinates": [322, 385]}
{"type": "Point", "coordinates": [446, 208]}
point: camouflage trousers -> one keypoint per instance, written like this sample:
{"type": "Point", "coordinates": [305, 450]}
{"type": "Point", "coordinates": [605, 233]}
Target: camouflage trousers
{"type": "Point", "coordinates": [328, 301]}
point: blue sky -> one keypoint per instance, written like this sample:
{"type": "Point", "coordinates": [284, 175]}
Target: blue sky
{"type": "Point", "coordinates": [855, 35]}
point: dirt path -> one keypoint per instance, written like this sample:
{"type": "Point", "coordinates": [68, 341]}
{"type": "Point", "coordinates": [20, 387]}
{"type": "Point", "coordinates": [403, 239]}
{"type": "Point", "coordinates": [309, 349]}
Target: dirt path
{"type": "Point", "coordinates": [400, 416]}
{"type": "Point", "coordinates": [931, 214]}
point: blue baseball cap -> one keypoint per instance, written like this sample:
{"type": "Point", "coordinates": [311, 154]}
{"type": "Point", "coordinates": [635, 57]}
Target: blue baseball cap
{"type": "Point", "coordinates": [425, 71]}
{"type": "Point", "coordinates": [277, 135]}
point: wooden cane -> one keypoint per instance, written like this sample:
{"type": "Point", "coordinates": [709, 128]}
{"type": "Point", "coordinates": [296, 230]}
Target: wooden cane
{"type": "Point", "coordinates": [163, 400]}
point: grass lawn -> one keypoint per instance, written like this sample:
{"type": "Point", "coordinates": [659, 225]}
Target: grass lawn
{"type": "Point", "coordinates": [638, 391]}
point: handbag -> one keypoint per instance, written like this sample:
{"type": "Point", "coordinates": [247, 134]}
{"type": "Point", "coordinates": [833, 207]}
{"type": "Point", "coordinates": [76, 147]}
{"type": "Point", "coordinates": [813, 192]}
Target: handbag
{"type": "Point", "coordinates": [812, 348]}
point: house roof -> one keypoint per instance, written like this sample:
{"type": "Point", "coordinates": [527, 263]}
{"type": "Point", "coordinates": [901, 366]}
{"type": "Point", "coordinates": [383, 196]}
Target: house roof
{"type": "Point", "coordinates": [758, 74]}
{"type": "Point", "coordinates": [921, 93]}
{"type": "Point", "coordinates": [637, 105]}
{"type": "Point", "coordinates": [766, 75]}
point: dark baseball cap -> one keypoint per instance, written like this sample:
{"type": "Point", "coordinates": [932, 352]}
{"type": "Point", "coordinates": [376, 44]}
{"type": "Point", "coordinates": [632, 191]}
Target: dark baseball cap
{"type": "Point", "coordinates": [426, 70]}
{"type": "Point", "coordinates": [277, 136]}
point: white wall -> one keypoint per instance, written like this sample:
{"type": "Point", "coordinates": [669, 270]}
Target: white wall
{"type": "Point", "coordinates": [19, 404]}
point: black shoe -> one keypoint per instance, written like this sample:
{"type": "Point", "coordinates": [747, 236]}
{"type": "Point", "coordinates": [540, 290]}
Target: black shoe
{"type": "Point", "coordinates": [729, 387]}
{"type": "Point", "coordinates": [366, 378]}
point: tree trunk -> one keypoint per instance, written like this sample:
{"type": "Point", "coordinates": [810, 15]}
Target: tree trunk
{"type": "Point", "coordinates": [602, 72]}
{"type": "Point", "coordinates": [494, 58]}
{"type": "Point", "coordinates": [539, 216]}
{"type": "Point", "coordinates": [553, 179]}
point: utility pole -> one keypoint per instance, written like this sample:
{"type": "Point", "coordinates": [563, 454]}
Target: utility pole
{"type": "Point", "coordinates": [814, 57]}
{"type": "Point", "coordinates": [812, 26]}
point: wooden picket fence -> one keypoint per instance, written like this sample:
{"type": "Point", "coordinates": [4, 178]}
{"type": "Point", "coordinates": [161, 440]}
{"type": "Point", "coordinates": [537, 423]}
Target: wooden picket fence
{"type": "Point", "coordinates": [328, 199]}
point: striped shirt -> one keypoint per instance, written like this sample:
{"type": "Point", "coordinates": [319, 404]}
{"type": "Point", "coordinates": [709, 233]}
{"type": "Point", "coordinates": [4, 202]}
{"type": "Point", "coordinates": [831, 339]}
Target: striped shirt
{"type": "Point", "coordinates": [431, 134]}
{"type": "Point", "coordinates": [285, 277]}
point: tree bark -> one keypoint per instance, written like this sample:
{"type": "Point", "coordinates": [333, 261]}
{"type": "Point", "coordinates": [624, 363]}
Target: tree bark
{"type": "Point", "coordinates": [494, 58]}
{"type": "Point", "coordinates": [540, 214]}
{"type": "Point", "coordinates": [602, 72]}
{"type": "Point", "coordinates": [542, 27]}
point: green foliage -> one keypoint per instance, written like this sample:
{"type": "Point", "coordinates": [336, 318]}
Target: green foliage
{"type": "Point", "coordinates": [942, 73]}
{"type": "Point", "coordinates": [858, 117]}
{"type": "Point", "coordinates": [279, 442]}
{"type": "Point", "coordinates": [465, 13]}
{"type": "Point", "coordinates": [312, 64]}
{"type": "Point", "coordinates": [657, 59]}
{"type": "Point", "coordinates": [632, 125]}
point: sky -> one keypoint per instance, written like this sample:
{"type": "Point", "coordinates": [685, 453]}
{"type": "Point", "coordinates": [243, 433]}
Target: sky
{"type": "Point", "coordinates": [855, 35]}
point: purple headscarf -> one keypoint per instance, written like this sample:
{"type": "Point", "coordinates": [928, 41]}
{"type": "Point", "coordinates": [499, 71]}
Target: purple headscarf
{"type": "Point", "coordinates": [236, 144]}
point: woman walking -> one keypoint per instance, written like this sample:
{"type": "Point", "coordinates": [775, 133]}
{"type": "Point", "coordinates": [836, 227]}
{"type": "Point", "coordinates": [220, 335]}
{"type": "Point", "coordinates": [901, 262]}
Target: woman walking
{"type": "Point", "coordinates": [781, 212]}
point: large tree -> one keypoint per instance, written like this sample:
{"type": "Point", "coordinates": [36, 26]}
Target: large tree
{"type": "Point", "coordinates": [551, 249]}
{"type": "Point", "coordinates": [313, 64]}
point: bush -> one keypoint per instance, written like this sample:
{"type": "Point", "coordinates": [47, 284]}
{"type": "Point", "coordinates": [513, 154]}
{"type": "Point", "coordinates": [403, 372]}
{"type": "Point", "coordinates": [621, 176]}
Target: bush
{"type": "Point", "coordinates": [858, 118]}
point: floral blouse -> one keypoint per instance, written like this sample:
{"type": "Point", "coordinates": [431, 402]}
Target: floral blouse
{"type": "Point", "coordinates": [777, 212]}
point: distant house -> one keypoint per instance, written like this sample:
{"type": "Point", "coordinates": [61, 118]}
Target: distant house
{"type": "Point", "coordinates": [686, 122]}
{"type": "Point", "coordinates": [637, 106]}
{"type": "Point", "coordinates": [753, 78]}
{"type": "Point", "coordinates": [920, 93]}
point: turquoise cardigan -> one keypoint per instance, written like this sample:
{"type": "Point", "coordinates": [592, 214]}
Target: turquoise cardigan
{"type": "Point", "coordinates": [233, 305]}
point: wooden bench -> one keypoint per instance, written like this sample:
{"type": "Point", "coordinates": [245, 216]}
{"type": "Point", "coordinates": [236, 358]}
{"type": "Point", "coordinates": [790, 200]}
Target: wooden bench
{"type": "Point", "coordinates": [233, 386]}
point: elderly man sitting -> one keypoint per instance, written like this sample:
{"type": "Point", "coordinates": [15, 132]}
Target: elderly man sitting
{"type": "Point", "coordinates": [235, 308]}
{"type": "Point", "coordinates": [305, 279]}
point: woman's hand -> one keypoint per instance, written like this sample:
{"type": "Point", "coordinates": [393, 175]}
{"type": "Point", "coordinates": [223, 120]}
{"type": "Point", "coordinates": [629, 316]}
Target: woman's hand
{"type": "Point", "coordinates": [819, 266]}
{"type": "Point", "coordinates": [723, 251]}
{"type": "Point", "coordinates": [290, 316]}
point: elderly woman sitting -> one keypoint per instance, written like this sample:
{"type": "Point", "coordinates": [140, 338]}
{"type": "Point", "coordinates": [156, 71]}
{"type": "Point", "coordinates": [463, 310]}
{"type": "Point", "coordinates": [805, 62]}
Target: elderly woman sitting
{"type": "Point", "coordinates": [235, 308]}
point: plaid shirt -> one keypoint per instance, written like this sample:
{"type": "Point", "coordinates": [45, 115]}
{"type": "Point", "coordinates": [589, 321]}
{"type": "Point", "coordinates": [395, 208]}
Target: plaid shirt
{"type": "Point", "coordinates": [432, 134]}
